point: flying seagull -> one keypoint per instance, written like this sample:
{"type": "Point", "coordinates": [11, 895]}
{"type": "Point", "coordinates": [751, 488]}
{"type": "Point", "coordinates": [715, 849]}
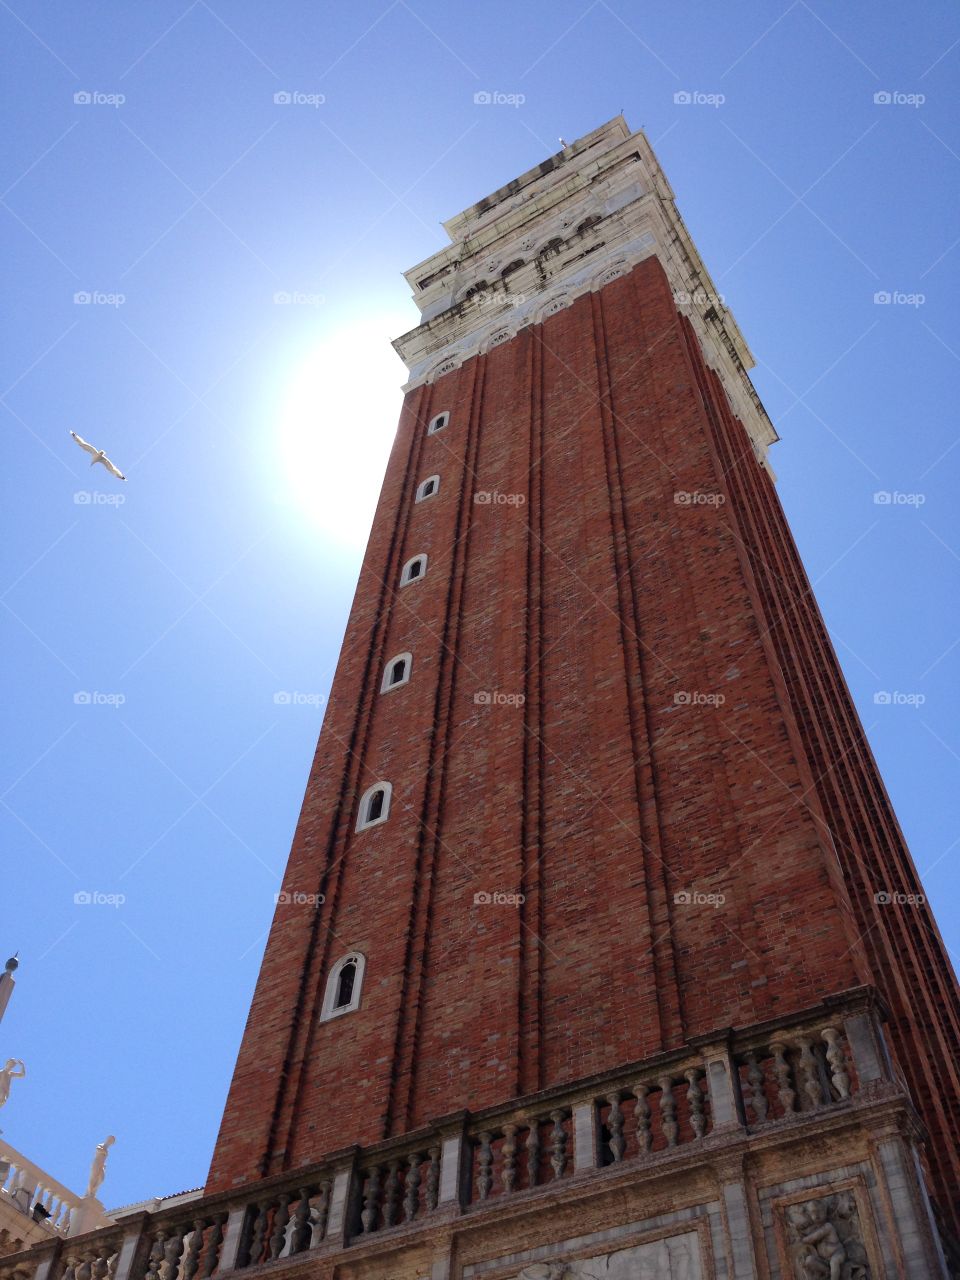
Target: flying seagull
{"type": "Point", "coordinates": [98, 456]}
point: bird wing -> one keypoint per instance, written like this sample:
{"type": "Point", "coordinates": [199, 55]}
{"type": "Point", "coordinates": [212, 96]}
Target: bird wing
{"type": "Point", "coordinates": [115, 471]}
{"type": "Point", "coordinates": [84, 444]}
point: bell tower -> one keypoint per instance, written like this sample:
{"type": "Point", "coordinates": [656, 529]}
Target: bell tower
{"type": "Point", "coordinates": [595, 867]}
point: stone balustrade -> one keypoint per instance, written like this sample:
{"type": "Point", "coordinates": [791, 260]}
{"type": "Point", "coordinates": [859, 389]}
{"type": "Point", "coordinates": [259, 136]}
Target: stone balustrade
{"type": "Point", "coordinates": [673, 1107]}
{"type": "Point", "coordinates": [25, 1185]}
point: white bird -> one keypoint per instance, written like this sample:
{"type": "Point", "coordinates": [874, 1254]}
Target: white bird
{"type": "Point", "coordinates": [98, 456]}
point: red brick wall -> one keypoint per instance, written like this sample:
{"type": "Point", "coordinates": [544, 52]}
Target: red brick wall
{"type": "Point", "coordinates": [595, 598]}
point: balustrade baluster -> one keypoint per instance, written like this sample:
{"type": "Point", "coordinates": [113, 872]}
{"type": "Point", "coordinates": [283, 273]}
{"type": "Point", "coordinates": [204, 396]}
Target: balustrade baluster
{"type": "Point", "coordinates": [433, 1178]}
{"type": "Point", "coordinates": [698, 1120]}
{"type": "Point", "coordinates": [191, 1261]}
{"type": "Point", "coordinates": [154, 1262]}
{"type": "Point", "coordinates": [370, 1218]}
{"type": "Point", "coordinates": [781, 1069]}
{"type": "Point", "coordinates": [667, 1111]}
{"type": "Point", "coordinates": [558, 1144]}
{"type": "Point", "coordinates": [532, 1149]}
{"type": "Point", "coordinates": [411, 1199]}
{"type": "Point", "coordinates": [509, 1153]}
{"type": "Point", "coordinates": [172, 1249]}
{"type": "Point", "coordinates": [809, 1072]}
{"type": "Point", "coordinates": [757, 1099]}
{"type": "Point", "coordinates": [615, 1125]}
{"type": "Point", "coordinates": [642, 1117]}
{"type": "Point", "coordinates": [211, 1254]}
{"type": "Point", "coordinates": [484, 1163]}
{"type": "Point", "coordinates": [278, 1235]}
{"type": "Point", "coordinates": [319, 1213]}
{"type": "Point", "coordinates": [836, 1061]}
{"type": "Point", "coordinates": [259, 1232]}
{"type": "Point", "coordinates": [391, 1194]}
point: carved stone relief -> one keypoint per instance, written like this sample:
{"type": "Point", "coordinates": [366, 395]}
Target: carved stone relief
{"type": "Point", "coordinates": [825, 1239]}
{"type": "Point", "coordinates": [674, 1258]}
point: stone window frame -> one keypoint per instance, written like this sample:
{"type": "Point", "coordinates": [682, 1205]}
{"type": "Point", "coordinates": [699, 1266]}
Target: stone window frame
{"type": "Point", "coordinates": [363, 822]}
{"type": "Point", "coordinates": [386, 684]}
{"type": "Point", "coordinates": [420, 496]}
{"type": "Point", "coordinates": [406, 578]}
{"type": "Point", "coordinates": [438, 422]}
{"type": "Point", "coordinates": [327, 1009]}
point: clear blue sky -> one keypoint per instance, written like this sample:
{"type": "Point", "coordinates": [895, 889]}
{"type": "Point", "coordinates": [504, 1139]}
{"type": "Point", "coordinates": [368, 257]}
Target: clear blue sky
{"type": "Point", "coordinates": [226, 575]}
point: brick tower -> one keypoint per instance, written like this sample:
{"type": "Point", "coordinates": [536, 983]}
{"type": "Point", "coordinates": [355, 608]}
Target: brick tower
{"type": "Point", "coordinates": [599, 950]}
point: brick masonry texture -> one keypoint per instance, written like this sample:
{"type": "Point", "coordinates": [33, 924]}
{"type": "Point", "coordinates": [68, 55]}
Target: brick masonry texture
{"type": "Point", "coordinates": [672, 721]}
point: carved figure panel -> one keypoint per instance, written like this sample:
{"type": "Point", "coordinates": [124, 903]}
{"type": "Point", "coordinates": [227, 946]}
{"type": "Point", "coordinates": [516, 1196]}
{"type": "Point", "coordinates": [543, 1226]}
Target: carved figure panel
{"type": "Point", "coordinates": [825, 1239]}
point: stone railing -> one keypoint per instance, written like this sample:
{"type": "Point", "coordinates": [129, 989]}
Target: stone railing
{"type": "Point", "coordinates": [26, 1186]}
{"type": "Point", "coordinates": [675, 1107]}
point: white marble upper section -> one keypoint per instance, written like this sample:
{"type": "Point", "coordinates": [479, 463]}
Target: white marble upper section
{"type": "Point", "coordinates": [569, 226]}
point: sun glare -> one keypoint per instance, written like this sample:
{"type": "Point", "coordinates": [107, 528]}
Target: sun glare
{"type": "Point", "coordinates": [338, 416]}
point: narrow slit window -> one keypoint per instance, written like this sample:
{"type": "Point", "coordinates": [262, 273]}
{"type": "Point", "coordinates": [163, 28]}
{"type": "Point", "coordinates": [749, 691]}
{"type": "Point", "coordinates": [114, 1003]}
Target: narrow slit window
{"type": "Point", "coordinates": [344, 986]}
{"type": "Point", "coordinates": [427, 488]}
{"type": "Point", "coordinates": [374, 806]}
{"type": "Point", "coordinates": [396, 672]}
{"type": "Point", "coordinates": [413, 570]}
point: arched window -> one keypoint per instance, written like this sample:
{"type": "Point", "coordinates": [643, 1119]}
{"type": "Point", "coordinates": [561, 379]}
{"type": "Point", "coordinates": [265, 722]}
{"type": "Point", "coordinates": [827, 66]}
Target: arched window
{"type": "Point", "coordinates": [397, 672]}
{"type": "Point", "coordinates": [475, 290]}
{"type": "Point", "coordinates": [588, 224]}
{"type": "Point", "coordinates": [413, 570]}
{"type": "Point", "coordinates": [374, 806]}
{"type": "Point", "coordinates": [427, 488]}
{"type": "Point", "coordinates": [438, 423]}
{"type": "Point", "coordinates": [511, 267]}
{"type": "Point", "coordinates": [344, 985]}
